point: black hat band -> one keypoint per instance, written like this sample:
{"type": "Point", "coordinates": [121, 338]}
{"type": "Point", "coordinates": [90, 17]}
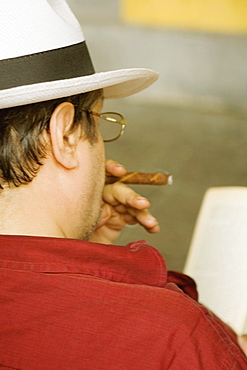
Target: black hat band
{"type": "Point", "coordinates": [52, 65]}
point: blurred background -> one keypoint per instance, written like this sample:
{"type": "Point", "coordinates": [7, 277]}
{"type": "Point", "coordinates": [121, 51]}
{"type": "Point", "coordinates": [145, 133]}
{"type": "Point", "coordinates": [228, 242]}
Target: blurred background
{"type": "Point", "coordinates": [193, 121]}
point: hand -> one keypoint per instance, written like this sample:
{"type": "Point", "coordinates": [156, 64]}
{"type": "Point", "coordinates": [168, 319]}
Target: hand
{"type": "Point", "coordinates": [121, 206]}
{"type": "Point", "coordinates": [242, 341]}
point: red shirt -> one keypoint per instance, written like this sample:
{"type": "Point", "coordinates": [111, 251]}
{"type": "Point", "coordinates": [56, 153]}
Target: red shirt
{"type": "Point", "coordinates": [69, 304]}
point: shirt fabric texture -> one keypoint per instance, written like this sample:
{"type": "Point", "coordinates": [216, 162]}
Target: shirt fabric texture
{"type": "Point", "coordinates": [69, 304]}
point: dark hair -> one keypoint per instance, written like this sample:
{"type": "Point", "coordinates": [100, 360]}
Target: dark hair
{"type": "Point", "coordinates": [22, 144]}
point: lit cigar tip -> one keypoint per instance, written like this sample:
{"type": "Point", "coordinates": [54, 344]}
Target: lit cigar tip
{"type": "Point", "coordinates": [170, 180]}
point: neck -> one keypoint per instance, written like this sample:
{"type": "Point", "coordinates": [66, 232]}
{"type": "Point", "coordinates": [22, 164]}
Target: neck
{"type": "Point", "coordinates": [23, 212]}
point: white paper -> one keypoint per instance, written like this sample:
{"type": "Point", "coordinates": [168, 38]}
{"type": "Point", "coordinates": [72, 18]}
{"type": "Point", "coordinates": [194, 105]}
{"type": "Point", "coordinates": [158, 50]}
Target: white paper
{"type": "Point", "coordinates": [217, 258]}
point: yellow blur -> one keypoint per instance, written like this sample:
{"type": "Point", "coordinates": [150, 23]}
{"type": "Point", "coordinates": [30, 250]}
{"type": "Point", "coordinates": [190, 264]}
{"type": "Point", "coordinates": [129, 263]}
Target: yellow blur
{"type": "Point", "coordinates": [221, 16]}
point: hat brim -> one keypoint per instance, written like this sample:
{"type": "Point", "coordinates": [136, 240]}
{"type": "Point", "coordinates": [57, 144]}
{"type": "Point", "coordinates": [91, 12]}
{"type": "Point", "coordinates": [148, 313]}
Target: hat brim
{"type": "Point", "coordinates": [115, 84]}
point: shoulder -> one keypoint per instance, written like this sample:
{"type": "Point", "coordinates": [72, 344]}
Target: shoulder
{"type": "Point", "coordinates": [184, 332]}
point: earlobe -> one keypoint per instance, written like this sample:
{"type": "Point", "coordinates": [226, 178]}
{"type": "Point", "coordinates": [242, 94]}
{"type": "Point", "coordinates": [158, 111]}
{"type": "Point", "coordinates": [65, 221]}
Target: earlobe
{"type": "Point", "coordinates": [64, 142]}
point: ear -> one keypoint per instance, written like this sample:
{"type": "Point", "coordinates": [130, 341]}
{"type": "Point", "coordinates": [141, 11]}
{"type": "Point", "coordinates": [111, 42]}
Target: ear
{"type": "Point", "coordinates": [64, 143]}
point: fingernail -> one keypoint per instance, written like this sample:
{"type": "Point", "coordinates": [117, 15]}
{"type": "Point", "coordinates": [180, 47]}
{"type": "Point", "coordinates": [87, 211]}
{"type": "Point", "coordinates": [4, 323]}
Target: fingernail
{"type": "Point", "coordinates": [120, 167]}
{"type": "Point", "coordinates": [151, 218]}
{"type": "Point", "coordinates": [141, 198]}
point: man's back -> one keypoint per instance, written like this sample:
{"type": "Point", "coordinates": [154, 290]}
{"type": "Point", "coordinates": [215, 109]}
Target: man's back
{"type": "Point", "coordinates": [76, 305]}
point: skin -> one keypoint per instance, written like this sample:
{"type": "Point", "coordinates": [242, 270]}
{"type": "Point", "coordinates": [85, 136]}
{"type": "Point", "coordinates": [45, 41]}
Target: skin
{"type": "Point", "coordinates": [68, 198]}
{"type": "Point", "coordinates": [121, 206]}
{"type": "Point", "coordinates": [242, 341]}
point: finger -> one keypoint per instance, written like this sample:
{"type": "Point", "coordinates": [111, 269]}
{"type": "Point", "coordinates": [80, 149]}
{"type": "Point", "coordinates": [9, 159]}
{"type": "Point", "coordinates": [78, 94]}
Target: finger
{"type": "Point", "coordinates": [112, 218]}
{"type": "Point", "coordinates": [135, 216]}
{"type": "Point", "coordinates": [119, 193]}
{"type": "Point", "coordinates": [116, 221]}
{"type": "Point", "coordinates": [145, 219]}
{"type": "Point", "coordinates": [153, 230]}
{"type": "Point", "coordinates": [130, 220]}
{"type": "Point", "coordinates": [121, 209]}
{"type": "Point", "coordinates": [114, 168]}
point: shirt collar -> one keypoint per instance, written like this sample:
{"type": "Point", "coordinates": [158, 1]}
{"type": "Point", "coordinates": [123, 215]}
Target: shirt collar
{"type": "Point", "coordinates": [136, 263]}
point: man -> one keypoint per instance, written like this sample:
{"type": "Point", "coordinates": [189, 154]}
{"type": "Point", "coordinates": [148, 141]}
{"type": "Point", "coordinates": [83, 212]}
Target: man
{"type": "Point", "coordinates": [69, 298]}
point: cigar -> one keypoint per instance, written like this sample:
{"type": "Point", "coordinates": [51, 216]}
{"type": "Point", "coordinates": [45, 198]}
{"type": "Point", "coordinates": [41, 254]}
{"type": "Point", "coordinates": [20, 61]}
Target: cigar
{"type": "Point", "coordinates": [142, 178]}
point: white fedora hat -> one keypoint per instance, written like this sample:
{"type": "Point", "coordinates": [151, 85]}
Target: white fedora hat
{"type": "Point", "coordinates": [43, 56]}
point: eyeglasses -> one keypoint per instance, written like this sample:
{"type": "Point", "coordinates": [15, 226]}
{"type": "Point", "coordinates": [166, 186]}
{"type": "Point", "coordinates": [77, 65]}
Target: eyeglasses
{"type": "Point", "coordinates": [113, 127]}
